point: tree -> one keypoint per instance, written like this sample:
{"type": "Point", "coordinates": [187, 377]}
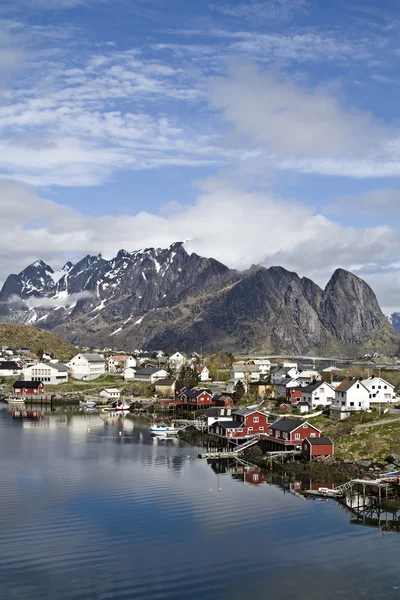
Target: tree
{"type": "Point", "coordinates": [188, 377]}
{"type": "Point", "coordinates": [240, 391]}
{"type": "Point", "coordinates": [40, 354]}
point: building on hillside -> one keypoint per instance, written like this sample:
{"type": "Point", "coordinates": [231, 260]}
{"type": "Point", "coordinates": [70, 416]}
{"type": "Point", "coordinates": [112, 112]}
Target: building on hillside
{"type": "Point", "coordinates": [28, 388]}
{"type": "Point", "coordinates": [282, 388]}
{"type": "Point", "coordinates": [10, 368]}
{"type": "Point", "coordinates": [380, 391]}
{"type": "Point", "coordinates": [119, 362]}
{"type": "Point", "coordinates": [110, 394]}
{"type": "Point", "coordinates": [245, 423]}
{"type": "Point", "coordinates": [149, 375]}
{"type": "Point", "coordinates": [166, 387]}
{"type": "Point", "coordinates": [308, 376]}
{"type": "Point", "coordinates": [261, 389]}
{"type": "Point", "coordinates": [87, 366]}
{"type": "Point", "coordinates": [303, 407]}
{"type": "Point", "coordinates": [245, 372]}
{"type": "Point", "coordinates": [288, 434]}
{"type": "Point", "coordinates": [129, 373]}
{"type": "Point", "coordinates": [316, 447]}
{"type": "Point", "coordinates": [294, 395]}
{"type": "Point", "coordinates": [350, 396]}
{"type": "Point", "coordinates": [317, 394]}
{"type": "Point", "coordinates": [49, 373]}
{"type": "Point", "coordinates": [264, 365]}
{"type": "Point", "coordinates": [204, 373]}
{"type": "Point", "coordinates": [284, 373]}
{"type": "Point", "coordinates": [336, 380]}
{"type": "Point", "coordinates": [177, 360]}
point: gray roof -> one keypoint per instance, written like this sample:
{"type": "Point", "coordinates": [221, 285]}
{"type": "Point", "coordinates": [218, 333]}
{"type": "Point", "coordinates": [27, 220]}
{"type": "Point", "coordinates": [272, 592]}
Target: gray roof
{"type": "Point", "coordinates": [243, 412]}
{"type": "Point", "coordinates": [287, 424]}
{"type": "Point", "coordinates": [93, 357]}
{"type": "Point", "coordinates": [245, 368]}
{"type": "Point", "coordinates": [166, 382]}
{"type": "Point", "coordinates": [58, 366]}
{"type": "Point", "coordinates": [148, 371]}
{"type": "Point", "coordinates": [312, 386]}
{"type": "Point", "coordinates": [230, 424]}
{"type": "Point", "coordinates": [319, 441]}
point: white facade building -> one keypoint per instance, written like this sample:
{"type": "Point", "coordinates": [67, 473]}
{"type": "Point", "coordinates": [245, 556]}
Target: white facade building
{"type": "Point", "coordinates": [245, 373]}
{"type": "Point", "coordinates": [381, 391]}
{"type": "Point", "coordinates": [50, 373]}
{"type": "Point", "coordinates": [264, 365]}
{"type": "Point", "coordinates": [177, 360]}
{"type": "Point", "coordinates": [129, 373]}
{"type": "Point", "coordinates": [120, 362]}
{"type": "Point", "coordinates": [110, 394]}
{"type": "Point", "coordinates": [204, 373]}
{"type": "Point", "coordinates": [87, 366]}
{"type": "Point", "coordinates": [307, 377]}
{"type": "Point", "coordinates": [350, 396]}
{"type": "Point", "coordinates": [316, 394]}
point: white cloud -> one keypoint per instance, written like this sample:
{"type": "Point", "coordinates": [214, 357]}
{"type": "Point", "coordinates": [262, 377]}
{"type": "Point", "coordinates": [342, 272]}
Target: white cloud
{"type": "Point", "coordinates": [56, 302]}
{"type": "Point", "coordinates": [378, 204]}
{"type": "Point", "coordinates": [269, 10]}
{"type": "Point", "coordinates": [236, 227]}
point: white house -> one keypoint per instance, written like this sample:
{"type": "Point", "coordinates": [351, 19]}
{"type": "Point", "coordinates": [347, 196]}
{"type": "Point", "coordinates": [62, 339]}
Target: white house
{"type": "Point", "coordinates": [218, 414]}
{"type": "Point", "coordinates": [264, 365]}
{"type": "Point", "coordinates": [245, 372]}
{"type": "Point", "coordinates": [10, 368]}
{"type": "Point", "coordinates": [319, 393]}
{"type": "Point", "coordinates": [306, 377]}
{"type": "Point", "coordinates": [87, 366]}
{"type": "Point", "coordinates": [284, 373]}
{"type": "Point", "coordinates": [50, 373]}
{"type": "Point", "coordinates": [120, 362]}
{"type": "Point", "coordinates": [110, 394]}
{"type": "Point", "coordinates": [129, 373]}
{"type": "Point", "coordinates": [350, 396]}
{"type": "Point", "coordinates": [177, 360]}
{"type": "Point", "coordinates": [149, 375]}
{"type": "Point", "coordinates": [203, 372]}
{"type": "Point", "coordinates": [381, 391]}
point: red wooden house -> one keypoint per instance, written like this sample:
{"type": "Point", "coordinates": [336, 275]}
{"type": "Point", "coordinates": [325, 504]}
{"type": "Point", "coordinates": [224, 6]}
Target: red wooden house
{"type": "Point", "coordinates": [197, 398]}
{"type": "Point", "coordinates": [28, 388]}
{"type": "Point", "coordinates": [294, 395]}
{"type": "Point", "coordinates": [313, 447]}
{"type": "Point", "coordinates": [287, 433]}
{"type": "Point", "coordinates": [222, 400]}
{"type": "Point", "coordinates": [246, 422]}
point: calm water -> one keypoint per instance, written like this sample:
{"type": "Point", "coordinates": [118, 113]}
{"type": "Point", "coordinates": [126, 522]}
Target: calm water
{"type": "Point", "coordinates": [98, 515]}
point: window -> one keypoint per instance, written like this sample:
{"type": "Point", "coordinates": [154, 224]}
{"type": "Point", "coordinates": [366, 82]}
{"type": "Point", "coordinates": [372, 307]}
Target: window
{"type": "Point", "coordinates": [358, 385]}
{"type": "Point", "coordinates": [373, 387]}
{"type": "Point", "coordinates": [385, 387]}
{"type": "Point", "coordinates": [305, 426]}
{"type": "Point", "coordinates": [285, 436]}
{"type": "Point", "coordinates": [313, 435]}
{"type": "Point", "coordinates": [250, 428]}
{"type": "Point", "coordinates": [256, 420]}
{"type": "Point", "coordinates": [351, 403]}
{"type": "Point", "coordinates": [261, 428]}
{"type": "Point", "coordinates": [296, 436]}
{"type": "Point", "coordinates": [359, 404]}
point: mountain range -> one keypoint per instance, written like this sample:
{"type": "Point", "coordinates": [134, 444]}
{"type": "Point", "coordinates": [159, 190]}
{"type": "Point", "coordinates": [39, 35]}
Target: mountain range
{"type": "Point", "coordinates": [169, 299]}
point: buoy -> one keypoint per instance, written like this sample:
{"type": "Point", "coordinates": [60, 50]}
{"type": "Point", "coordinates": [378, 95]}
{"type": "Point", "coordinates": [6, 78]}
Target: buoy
{"type": "Point", "coordinates": [219, 489]}
{"type": "Point", "coordinates": [210, 489]}
{"type": "Point", "coordinates": [120, 433]}
{"type": "Point", "coordinates": [88, 429]}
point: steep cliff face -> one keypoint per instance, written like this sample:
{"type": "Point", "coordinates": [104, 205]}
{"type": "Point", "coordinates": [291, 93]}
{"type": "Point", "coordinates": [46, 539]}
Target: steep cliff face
{"type": "Point", "coordinates": [170, 299]}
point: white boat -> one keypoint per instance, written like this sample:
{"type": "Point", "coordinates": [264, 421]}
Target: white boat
{"type": "Point", "coordinates": [16, 400]}
{"type": "Point", "coordinates": [163, 429]}
{"type": "Point", "coordinates": [87, 404]}
{"type": "Point", "coordinates": [119, 407]}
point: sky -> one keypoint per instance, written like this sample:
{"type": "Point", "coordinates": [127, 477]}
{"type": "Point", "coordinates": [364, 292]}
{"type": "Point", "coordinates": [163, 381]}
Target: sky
{"type": "Point", "coordinates": [263, 132]}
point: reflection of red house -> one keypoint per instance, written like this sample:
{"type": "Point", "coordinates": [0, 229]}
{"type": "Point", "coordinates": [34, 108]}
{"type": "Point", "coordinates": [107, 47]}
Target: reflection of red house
{"type": "Point", "coordinates": [321, 446]}
{"type": "Point", "coordinates": [254, 476]}
{"type": "Point", "coordinates": [288, 433]}
{"type": "Point", "coordinates": [246, 422]}
{"type": "Point", "coordinates": [28, 388]}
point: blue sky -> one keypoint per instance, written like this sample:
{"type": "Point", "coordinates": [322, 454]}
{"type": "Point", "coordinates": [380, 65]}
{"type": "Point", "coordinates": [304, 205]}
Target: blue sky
{"type": "Point", "coordinates": [264, 132]}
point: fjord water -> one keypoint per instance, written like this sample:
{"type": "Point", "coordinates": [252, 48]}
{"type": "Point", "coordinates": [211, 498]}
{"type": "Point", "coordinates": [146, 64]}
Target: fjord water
{"type": "Point", "coordinates": [112, 514]}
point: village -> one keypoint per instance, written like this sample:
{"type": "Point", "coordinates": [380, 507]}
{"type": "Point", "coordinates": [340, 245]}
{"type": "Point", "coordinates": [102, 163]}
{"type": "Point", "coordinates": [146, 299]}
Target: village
{"type": "Point", "coordinates": [280, 402]}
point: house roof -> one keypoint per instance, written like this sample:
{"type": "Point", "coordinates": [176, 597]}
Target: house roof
{"type": "Point", "coordinates": [322, 441]}
{"type": "Point", "coordinates": [166, 382]}
{"type": "Point", "coordinates": [243, 412]}
{"type": "Point", "coordinates": [245, 368]}
{"type": "Point", "coordinates": [347, 384]}
{"type": "Point", "coordinates": [200, 368]}
{"type": "Point", "coordinates": [111, 390]}
{"type": "Point", "coordinates": [230, 424]}
{"type": "Point", "coordinates": [311, 387]}
{"type": "Point", "coordinates": [120, 357]}
{"type": "Point", "coordinates": [93, 357]}
{"type": "Point", "coordinates": [19, 385]}
{"type": "Point", "coordinates": [58, 366]}
{"type": "Point", "coordinates": [287, 424]}
{"type": "Point", "coordinates": [194, 393]}
{"type": "Point", "coordinates": [147, 371]}
{"type": "Point", "coordinates": [218, 412]}
{"type": "Point", "coordinates": [8, 364]}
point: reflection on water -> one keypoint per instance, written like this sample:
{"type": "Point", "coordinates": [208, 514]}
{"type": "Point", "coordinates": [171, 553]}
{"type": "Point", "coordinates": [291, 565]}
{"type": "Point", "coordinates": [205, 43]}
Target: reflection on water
{"type": "Point", "coordinates": [95, 509]}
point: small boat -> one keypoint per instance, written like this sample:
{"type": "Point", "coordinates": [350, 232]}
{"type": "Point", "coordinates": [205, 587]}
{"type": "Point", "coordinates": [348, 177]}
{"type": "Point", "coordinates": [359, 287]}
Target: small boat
{"type": "Point", "coordinates": [163, 429]}
{"type": "Point", "coordinates": [87, 404]}
{"type": "Point", "coordinates": [119, 407]}
{"type": "Point", "coordinates": [16, 400]}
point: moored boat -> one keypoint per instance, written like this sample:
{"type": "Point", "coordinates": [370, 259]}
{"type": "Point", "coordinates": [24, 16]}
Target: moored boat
{"type": "Point", "coordinates": [163, 429]}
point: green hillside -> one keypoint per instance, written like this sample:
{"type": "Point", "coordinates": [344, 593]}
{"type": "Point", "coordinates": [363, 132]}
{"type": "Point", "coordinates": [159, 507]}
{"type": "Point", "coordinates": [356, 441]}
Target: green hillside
{"type": "Point", "coordinates": [27, 336]}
